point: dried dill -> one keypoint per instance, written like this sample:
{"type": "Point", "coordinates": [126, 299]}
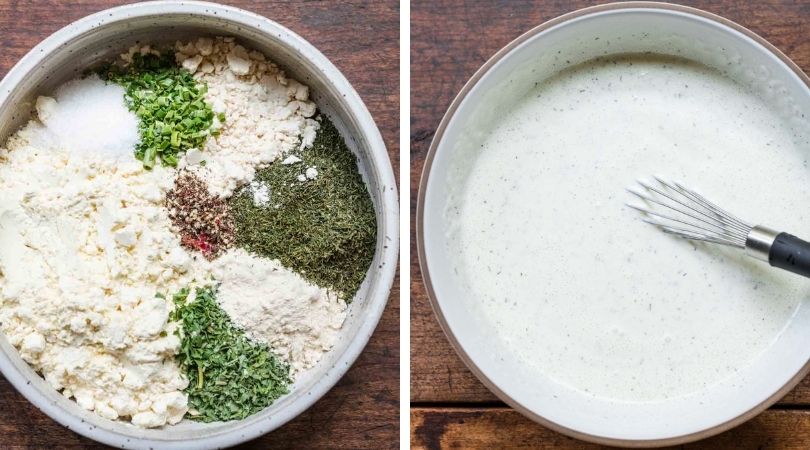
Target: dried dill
{"type": "Point", "coordinates": [323, 228]}
{"type": "Point", "coordinates": [230, 377]}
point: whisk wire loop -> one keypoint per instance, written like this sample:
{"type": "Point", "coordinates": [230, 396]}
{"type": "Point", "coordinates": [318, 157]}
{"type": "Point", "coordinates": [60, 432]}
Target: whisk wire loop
{"type": "Point", "coordinates": [722, 214]}
{"type": "Point", "coordinates": [682, 212]}
{"type": "Point", "coordinates": [691, 216]}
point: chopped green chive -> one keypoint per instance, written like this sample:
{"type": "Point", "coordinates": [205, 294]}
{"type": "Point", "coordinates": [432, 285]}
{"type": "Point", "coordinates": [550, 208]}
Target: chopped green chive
{"type": "Point", "coordinates": [170, 104]}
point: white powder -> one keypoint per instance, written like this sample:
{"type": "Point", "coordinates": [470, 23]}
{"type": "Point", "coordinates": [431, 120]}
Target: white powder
{"type": "Point", "coordinates": [260, 193]}
{"type": "Point", "coordinates": [292, 159]}
{"type": "Point", "coordinates": [267, 114]}
{"type": "Point", "coordinates": [85, 244]}
{"type": "Point", "coordinates": [311, 173]}
{"type": "Point", "coordinates": [274, 305]}
{"type": "Point", "coordinates": [89, 116]}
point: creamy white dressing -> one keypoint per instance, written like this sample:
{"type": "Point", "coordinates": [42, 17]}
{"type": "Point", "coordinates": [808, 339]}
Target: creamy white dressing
{"type": "Point", "coordinates": [575, 284]}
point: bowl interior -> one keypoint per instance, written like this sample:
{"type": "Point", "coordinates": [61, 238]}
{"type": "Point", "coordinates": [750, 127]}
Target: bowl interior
{"type": "Point", "coordinates": [502, 82]}
{"type": "Point", "coordinates": [102, 37]}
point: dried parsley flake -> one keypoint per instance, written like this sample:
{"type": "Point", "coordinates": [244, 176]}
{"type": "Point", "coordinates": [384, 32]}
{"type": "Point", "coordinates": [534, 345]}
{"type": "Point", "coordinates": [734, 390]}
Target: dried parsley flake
{"type": "Point", "coordinates": [230, 377]}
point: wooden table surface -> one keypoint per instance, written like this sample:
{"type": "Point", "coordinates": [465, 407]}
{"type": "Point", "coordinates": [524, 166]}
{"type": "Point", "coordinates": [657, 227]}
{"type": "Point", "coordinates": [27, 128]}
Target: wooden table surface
{"type": "Point", "coordinates": [362, 39]}
{"type": "Point", "coordinates": [450, 408]}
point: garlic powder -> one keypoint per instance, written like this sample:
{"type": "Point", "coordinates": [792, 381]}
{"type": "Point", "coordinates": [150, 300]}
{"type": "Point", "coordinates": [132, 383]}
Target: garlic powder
{"type": "Point", "coordinates": [275, 306]}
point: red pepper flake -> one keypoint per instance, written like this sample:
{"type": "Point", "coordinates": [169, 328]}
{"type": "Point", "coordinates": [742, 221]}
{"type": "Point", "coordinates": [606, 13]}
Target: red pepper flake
{"type": "Point", "coordinates": [204, 221]}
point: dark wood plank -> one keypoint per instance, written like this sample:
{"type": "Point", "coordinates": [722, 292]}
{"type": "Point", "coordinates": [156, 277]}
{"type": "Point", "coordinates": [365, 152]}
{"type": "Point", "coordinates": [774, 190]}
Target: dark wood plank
{"type": "Point", "coordinates": [362, 39]}
{"type": "Point", "coordinates": [488, 428]}
{"type": "Point", "coordinates": [450, 40]}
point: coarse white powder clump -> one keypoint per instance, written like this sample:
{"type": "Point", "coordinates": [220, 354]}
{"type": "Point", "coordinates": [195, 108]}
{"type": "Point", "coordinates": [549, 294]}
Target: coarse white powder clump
{"type": "Point", "coordinates": [311, 173]}
{"type": "Point", "coordinates": [274, 305]}
{"type": "Point", "coordinates": [89, 116]}
{"type": "Point", "coordinates": [292, 159]}
{"type": "Point", "coordinates": [85, 245]}
{"type": "Point", "coordinates": [266, 113]}
{"type": "Point", "coordinates": [260, 192]}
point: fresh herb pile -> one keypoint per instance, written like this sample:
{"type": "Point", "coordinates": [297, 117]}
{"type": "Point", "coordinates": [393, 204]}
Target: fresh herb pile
{"type": "Point", "coordinates": [170, 104]}
{"type": "Point", "coordinates": [230, 377]}
{"type": "Point", "coordinates": [325, 229]}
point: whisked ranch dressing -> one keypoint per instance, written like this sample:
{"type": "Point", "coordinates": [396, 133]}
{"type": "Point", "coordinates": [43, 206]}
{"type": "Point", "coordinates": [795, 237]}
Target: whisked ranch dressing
{"type": "Point", "coordinates": [574, 283]}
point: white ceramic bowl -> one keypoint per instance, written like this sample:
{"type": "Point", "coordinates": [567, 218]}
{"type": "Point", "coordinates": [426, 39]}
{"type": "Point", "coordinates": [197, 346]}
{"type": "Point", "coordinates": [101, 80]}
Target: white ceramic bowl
{"type": "Point", "coordinates": [568, 40]}
{"type": "Point", "coordinates": [102, 36]}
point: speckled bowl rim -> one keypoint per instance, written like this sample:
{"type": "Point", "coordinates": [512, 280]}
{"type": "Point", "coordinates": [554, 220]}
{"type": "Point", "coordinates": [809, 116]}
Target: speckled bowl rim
{"type": "Point", "coordinates": [420, 242]}
{"type": "Point", "coordinates": [388, 227]}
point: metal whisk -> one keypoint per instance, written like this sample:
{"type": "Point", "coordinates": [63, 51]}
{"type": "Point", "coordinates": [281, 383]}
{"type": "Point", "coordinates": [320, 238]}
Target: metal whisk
{"type": "Point", "coordinates": [680, 211]}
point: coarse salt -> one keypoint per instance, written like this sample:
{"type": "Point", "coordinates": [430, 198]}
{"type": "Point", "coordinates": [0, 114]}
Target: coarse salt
{"type": "Point", "coordinates": [90, 116]}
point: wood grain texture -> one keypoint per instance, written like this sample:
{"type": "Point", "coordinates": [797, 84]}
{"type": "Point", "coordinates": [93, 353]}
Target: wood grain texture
{"type": "Point", "coordinates": [488, 428]}
{"type": "Point", "coordinates": [450, 40]}
{"type": "Point", "coordinates": [362, 39]}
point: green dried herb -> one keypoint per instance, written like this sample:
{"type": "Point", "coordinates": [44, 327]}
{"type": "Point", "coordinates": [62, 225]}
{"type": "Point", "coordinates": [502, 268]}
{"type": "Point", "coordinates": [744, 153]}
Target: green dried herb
{"type": "Point", "coordinates": [170, 104]}
{"type": "Point", "coordinates": [230, 377]}
{"type": "Point", "coordinates": [325, 229]}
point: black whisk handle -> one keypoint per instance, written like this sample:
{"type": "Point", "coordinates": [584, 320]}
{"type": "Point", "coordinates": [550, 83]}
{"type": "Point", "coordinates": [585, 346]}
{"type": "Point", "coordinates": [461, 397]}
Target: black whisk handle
{"type": "Point", "coordinates": [790, 253]}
